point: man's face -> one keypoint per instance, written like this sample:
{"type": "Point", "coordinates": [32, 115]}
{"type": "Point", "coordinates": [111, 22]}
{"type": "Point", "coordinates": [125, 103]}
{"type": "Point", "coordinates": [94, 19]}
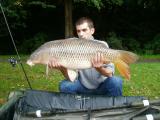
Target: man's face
{"type": "Point", "coordinates": [83, 31]}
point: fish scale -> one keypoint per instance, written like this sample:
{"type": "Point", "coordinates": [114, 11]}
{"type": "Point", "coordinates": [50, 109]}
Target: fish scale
{"type": "Point", "coordinates": [75, 53]}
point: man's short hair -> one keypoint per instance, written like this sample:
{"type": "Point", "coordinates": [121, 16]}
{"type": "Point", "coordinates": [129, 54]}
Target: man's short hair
{"type": "Point", "coordinates": [83, 20]}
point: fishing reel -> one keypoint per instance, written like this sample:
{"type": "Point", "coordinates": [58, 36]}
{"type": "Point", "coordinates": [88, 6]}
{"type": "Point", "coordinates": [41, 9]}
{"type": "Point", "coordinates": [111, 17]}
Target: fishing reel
{"type": "Point", "coordinates": [12, 61]}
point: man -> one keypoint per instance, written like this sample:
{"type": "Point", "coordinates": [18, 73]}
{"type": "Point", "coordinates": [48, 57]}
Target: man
{"type": "Point", "coordinates": [99, 79]}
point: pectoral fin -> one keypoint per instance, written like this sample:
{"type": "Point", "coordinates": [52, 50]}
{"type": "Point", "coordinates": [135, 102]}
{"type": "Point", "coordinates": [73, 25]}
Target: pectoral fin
{"type": "Point", "coordinates": [47, 70]}
{"type": "Point", "coordinates": [72, 74]}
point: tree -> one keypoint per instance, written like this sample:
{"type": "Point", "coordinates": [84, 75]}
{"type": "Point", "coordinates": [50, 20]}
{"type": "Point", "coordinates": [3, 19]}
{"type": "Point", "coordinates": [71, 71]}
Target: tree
{"type": "Point", "coordinates": [68, 18]}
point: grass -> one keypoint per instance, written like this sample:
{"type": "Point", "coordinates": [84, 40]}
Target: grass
{"type": "Point", "coordinates": [145, 78]}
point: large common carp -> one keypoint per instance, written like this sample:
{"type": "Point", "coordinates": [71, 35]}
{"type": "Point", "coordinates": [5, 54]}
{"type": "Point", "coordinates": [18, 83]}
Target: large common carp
{"type": "Point", "coordinates": [75, 53]}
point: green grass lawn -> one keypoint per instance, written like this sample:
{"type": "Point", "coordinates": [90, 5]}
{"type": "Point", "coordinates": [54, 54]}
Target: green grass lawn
{"type": "Point", "coordinates": [145, 78]}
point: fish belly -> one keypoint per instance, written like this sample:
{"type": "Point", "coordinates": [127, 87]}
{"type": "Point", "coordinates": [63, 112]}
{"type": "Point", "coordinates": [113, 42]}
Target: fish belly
{"type": "Point", "coordinates": [76, 64]}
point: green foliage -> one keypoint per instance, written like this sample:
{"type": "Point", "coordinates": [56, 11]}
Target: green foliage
{"type": "Point", "coordinates": [29, 45]}
{"type": "Point", "coordinates": [127, 43]}
{"type": "Point", "coordinates": [115, 2]}
{"type": "Point", "coordinates": [136, 19]}
{"type": "Point", "coordinates": [100, 3]}
{"type": "Point", "coordinates": [14, 10]}
{"type": "Point", "coordinates": [42, 4]}
{"type": "Point", "coordinates": [97, 3]}
{"type": "Point", "coordinates": [131, 44]}
{"type": "Point", "coordinates": [153, 46]}
{"type": "Point", "coordinates": [113, 41]}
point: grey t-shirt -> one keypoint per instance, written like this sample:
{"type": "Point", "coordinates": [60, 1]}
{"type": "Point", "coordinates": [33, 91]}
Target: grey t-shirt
{"type": "Point", "coordinates": [91, 78]}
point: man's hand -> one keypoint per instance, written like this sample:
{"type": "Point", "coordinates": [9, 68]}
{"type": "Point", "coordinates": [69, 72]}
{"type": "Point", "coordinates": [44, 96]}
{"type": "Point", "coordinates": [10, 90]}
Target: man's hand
{"type": "Point", "coordinates": [53, 63]}
{"type": "Point", "coordinates": [98, 60]}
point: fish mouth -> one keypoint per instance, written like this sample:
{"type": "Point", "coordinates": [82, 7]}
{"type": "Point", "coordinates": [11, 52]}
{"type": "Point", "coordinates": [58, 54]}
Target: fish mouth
{"type": "Point", "coordinates": [29, 62]}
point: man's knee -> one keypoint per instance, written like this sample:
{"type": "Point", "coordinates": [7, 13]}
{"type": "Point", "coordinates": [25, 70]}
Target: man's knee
{"type": "Point", "coordinates": [114, 85]}
{"type": "Point", "coordinates": [116, 82]}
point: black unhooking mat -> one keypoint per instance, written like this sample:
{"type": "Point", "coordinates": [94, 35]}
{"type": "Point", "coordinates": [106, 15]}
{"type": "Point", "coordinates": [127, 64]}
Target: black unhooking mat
{"type": "Point", "coordinates": [42, 105]}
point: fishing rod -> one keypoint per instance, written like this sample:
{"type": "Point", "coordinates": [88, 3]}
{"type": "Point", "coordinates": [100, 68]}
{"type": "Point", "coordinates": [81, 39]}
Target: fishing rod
{"type": "Point", "coordinates": [19, 59]}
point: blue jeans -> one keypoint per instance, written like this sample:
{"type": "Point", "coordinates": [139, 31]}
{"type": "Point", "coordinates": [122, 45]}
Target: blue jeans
{"type": "Point", "coordinates": [112, 86]}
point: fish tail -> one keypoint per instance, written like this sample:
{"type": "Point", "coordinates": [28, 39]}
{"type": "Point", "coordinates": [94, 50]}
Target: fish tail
{"type": "Point", "coordinates": [127, 57]}
{"type": "Point", "coordinates": [122, 62]}
{"type": "Point", "coordinates": [123, 68]}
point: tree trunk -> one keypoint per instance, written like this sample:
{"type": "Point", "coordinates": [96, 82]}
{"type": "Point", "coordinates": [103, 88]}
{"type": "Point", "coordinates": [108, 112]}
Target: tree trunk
{"type": "Point", "coordinates": [68, 18]}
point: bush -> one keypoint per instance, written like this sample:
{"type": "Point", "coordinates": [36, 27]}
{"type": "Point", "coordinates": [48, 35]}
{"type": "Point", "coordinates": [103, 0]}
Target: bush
{"type": "Point", "coordinates": [153, 46]}
{"type": "Point", "coordinates": [126, 43]}
{"type": "Point", "coordinates": [29, 45]}
{"type": "Point", "coordinates": [113, 41]}
{"type": "Point", "coordinates": [131, 44]}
